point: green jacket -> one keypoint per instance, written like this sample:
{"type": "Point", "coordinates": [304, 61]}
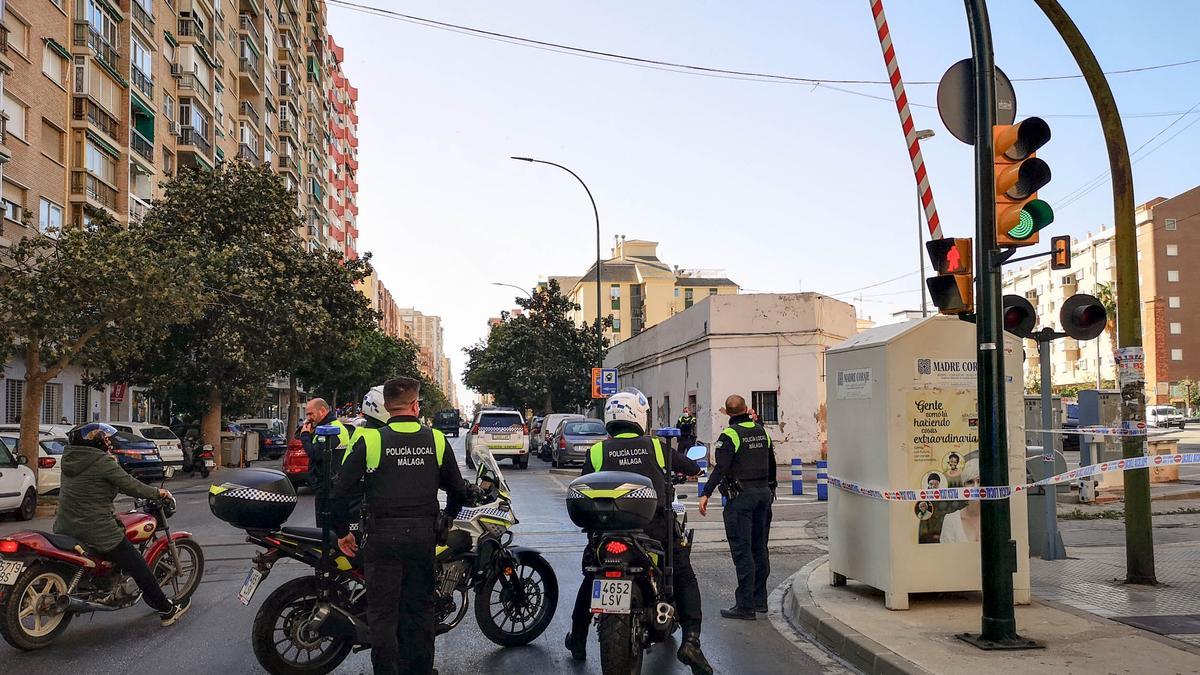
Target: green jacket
{"type": "Point", "coordinates": [91, 479]}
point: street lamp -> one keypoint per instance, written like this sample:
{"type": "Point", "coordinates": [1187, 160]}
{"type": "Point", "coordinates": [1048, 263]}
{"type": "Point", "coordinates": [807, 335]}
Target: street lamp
{"type": "Point", "coordinates": [519, 288]}
{"type": "Point", "coordinates": [599, 332]}
{"type": "Point", "coordinates": [922, 135]}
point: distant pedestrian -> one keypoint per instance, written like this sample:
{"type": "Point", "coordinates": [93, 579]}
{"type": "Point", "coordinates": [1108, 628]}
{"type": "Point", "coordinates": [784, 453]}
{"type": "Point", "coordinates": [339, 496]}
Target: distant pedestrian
{"type": "Point", "coordinates": [687, 429]}
{"type": "Point", "coordinates": [745, 474]}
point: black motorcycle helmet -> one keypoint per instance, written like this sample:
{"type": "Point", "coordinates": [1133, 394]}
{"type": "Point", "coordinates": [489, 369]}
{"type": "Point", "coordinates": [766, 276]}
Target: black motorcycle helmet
{"type": "Point", "coordinates": [92, 435]}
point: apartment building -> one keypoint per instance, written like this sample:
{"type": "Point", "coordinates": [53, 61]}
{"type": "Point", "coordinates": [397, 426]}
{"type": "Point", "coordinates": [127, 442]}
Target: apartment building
{"type": "Point", "coordinates": [426, 332]}
{"type": "Point", "coordinates": [1168, 233]}
{"type": "Point", "coordinates": [342, 155]}
{"type": "Point", "coordinates": [638, 289]}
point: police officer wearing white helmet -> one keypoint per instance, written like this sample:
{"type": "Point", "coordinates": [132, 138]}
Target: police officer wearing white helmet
{"type": "Point", "coordinates": [375, 416]}
{"type": "Point", "coordinates": [625, 415]}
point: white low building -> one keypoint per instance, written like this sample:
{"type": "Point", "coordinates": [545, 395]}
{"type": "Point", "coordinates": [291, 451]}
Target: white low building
{"type": "Point", "coordinates": [768, 348]}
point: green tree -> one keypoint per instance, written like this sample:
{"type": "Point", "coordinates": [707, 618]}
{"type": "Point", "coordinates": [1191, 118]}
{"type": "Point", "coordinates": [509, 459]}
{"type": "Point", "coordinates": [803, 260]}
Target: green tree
{"type": "Point", "coordinates": [243, 222]}
{"type": "Point", "coordinates": [1107, 295]}
{"type": "Point", "coordinates": [540, 360]}
{"type": "Point", "coordinates": [368, 358]}
{"type": "Point", "coordinates": [88, 297]}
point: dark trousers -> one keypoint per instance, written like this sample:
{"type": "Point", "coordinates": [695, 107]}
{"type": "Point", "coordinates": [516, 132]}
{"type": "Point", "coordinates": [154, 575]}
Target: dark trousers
{"type": "Point", "coordinates": [128, 560]}
{"type": "Point", "coordinates": [747, 523]}
{"type": "Point", "coordinates": [687, 593]}
{"type": "Point", "coordinates": [400, 587]}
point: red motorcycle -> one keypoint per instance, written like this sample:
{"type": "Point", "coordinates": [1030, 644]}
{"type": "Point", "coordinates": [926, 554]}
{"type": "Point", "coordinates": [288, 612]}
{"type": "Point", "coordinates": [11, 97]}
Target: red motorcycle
{"type": "Point", "coordinates": [46, 579]}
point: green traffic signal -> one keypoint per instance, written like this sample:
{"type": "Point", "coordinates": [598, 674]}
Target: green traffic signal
{"type": "Point", "coordinates": [1035, 215]}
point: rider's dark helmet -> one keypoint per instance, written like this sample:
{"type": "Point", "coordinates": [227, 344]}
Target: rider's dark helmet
{"type": "Point", "coordinates": [91, 434]}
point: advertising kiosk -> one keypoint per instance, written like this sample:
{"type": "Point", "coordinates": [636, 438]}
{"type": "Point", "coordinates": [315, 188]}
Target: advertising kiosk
{"type": "Point", "coordinates": [902, 413]}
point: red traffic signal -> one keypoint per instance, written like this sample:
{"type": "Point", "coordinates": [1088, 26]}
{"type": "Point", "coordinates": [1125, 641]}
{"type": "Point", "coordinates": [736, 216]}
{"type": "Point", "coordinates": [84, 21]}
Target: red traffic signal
{"type": "Point", "coordinates": [1083, 317]}
{"type": "Point", "coordinates": [1019, 316]}
{"type": "Point", "coordinates": [952, 290]}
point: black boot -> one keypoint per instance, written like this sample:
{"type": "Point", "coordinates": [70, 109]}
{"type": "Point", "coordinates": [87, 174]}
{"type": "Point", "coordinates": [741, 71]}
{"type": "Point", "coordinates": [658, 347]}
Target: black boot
{"type": "Point", "coordinates": [577, 646]}
{"type": "Point", "coordinates": [690, 654]}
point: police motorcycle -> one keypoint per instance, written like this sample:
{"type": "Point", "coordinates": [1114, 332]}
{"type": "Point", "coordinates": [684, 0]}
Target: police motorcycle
{"type": "Point", "coordinates": [309, 625]}
{"type": "Point", "coordinates": [632, 590]}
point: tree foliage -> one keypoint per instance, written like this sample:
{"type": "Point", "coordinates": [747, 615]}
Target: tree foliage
{"type": "Point", "coordinates": [540, 360]}
{"type": "Point", "coordinates": [368, 358]}
{"type": "Point", "coordinates": [89, 297]}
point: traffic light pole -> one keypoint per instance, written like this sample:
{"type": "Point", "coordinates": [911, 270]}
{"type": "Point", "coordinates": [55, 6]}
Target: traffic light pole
{"type": "Point", "coordinates": [998, 550]}
{"type": "Point", "coordinates": [1139, 533]}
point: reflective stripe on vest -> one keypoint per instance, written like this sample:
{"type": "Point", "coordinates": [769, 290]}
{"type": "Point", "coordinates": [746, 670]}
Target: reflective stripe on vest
{"type": "Point", "coordinates": [374, 442]}
{"type": "Point", "coordinates": [596, 452]}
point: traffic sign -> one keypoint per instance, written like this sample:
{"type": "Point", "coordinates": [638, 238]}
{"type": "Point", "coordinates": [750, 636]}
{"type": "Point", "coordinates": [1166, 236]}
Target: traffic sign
{"type": "Point", "coordinates": [596, 378]}
{"type": "Point", "coordinates": [608, 381]}
{"type": "Point", "coordinates": [956, 100]}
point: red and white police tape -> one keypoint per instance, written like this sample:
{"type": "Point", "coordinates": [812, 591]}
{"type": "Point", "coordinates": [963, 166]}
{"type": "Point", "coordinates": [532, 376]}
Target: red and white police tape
{"type": "Point", "coordinates": [1006, 491]}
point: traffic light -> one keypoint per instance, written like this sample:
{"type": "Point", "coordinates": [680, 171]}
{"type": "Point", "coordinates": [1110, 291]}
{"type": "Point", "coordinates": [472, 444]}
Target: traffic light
{"type": "Point", "coordinates": [1019, 316]}
{"type": "Point", "coordinates": [1060, 252]}
{"type": "Point", "coordinates": [1019, 174]}
{"type": "Point", "coordinates": [952, 289]}
{"type": "Point", "coordinates": [1083, 317]}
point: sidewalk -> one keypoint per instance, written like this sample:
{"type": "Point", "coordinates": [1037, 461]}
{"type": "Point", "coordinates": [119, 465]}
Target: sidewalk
{"type": "Point", "coordinates": [852, 622]}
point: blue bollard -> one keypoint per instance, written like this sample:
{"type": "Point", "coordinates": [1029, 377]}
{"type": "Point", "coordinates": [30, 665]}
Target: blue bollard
{"type": "Point", "coordinates": [822, 480]}
{"type": "Point", "coordinates": [797, 477]}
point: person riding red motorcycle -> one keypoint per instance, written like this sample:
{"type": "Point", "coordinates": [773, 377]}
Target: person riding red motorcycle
{"type": "Point", "coordinates": [91, 479]}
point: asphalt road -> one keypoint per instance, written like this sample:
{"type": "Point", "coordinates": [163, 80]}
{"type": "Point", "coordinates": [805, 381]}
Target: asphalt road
{"type": "Point", "coordinates": [214, 636]}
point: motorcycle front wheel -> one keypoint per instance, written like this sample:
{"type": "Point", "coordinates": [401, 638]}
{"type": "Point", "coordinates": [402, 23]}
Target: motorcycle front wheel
{"type": "Point", "coordinates": [510, 620]}
{"type": "Point", "coordinates": [179, 578]}
{"type": "Point", "coordinates": [284, 644]}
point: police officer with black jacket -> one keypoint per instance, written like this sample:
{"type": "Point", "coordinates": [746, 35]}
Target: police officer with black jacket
{"type": "Point", "coordinates": [629, 449]}
{"type": "Point", "coordinates": [404, 464]}
{"type": "Point", "coordinates": [745, 474]}
{"type": "Point", "coordinates": [687, 429]}
{"type": "Point", "coordinates": [317, 413]}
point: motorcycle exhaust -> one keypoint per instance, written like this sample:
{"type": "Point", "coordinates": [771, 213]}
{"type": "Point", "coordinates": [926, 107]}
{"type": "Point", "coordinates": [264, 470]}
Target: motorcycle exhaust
{"type": "Point", "coordinates": [67, 603]}
{"type": "Point", "coordinates": [664, 612]}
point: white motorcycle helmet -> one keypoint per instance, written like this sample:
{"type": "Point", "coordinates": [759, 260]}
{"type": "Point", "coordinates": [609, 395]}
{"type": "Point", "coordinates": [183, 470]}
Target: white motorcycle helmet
{"type": "Point", "coordinates": [372, 405]}
{"type": "Point", "coordinates": [628, 407]}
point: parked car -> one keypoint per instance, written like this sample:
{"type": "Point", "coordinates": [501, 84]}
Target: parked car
{"type": "Point", "coordinates": [1165, 416]}
{"type": "Point", "coordinates": [549, 426]}
{"type": "Point", "coordinates": [139, 457]}
{"type": "Point", "coordinates": [573, 439]}
{"type": "Point", "coordinates": [535, 435]}
{"type": "Point", "coordinates": [18, 491]}
{"type": "Point", "coordinates": [50, 450]}
{"type": "Point", "coordinates": [43, 429]}
{"type": "Point", "coordinates": [447, 422]}
{"type": "Point", "coordinates": [170, 448]}
{"type": "Point", "coordinates": [504, 433]}
{"type": "Point", "coordinates": [272, 441]}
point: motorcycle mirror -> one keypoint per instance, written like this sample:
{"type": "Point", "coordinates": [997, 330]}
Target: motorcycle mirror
{"type": "Point", "coordinates": [697, 452]}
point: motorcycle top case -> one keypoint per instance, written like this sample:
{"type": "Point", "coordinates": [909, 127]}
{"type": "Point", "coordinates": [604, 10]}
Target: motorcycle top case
{"type": "Point", "coordinates": [612, 500]}
{"type": "Point", "coordinates": [253, 499]}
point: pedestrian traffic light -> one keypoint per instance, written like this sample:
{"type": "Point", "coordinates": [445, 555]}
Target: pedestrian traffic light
{"type": "Point", "coordinates": [1019, 174]}
{"type": "Point", "coordinates": [1019, 316]}
{"type": "Point", "coordinates": [1083, 317]}
{"type": "Point", "coordinates": [952, 289]}
{"type": "Point", "coordinates": [1060, 252]}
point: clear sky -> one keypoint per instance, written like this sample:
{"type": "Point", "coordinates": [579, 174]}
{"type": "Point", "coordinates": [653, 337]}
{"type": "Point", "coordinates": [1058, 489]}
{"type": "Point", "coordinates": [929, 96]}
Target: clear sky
{"type": "Point", "coordinates": [786, 187]}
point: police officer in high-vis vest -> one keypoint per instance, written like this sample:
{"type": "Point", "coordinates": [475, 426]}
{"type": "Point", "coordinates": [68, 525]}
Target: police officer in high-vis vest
{"type": "Point", "coordinates": [404, 465]}
{"type": "Point", "coordinates": [745, 474]}
{"type": "Point", "coordinates": [630, 449]}
{"type": "Point", "coordinates": [317, 413]}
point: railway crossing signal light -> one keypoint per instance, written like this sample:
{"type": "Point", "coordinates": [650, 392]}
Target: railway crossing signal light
{"type": "Point", "coordinates": [1019, 174]}
{"type": "Point", "coordinates": [952, 290]}
{"type": "Point", "coordinates": [1019, 316]}
{"type": "Point", "coordinates": [1083, 317]}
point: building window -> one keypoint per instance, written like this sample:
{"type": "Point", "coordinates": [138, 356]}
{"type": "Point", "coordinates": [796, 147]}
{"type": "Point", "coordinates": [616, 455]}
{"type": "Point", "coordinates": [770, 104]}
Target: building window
{"type": "Point", "coordinates": [1172, 249]}
{"type": "Point", "coordinates": [1172, 275]}
{"type": "Point", "coordinates": [677, 291]}
{"type": "Point", "coordinates": [616, 325]}
{"type": "Point", "coordinates": [52, 403]}
{"type": "Point", "coordinates": [1176, 328]}
{"type": "Point", "coordinates": [101, 165]}
{"type": "Point", "coordinates": [18, 33]}
{"type": "Point", "coordinates": [54, 66]}
{"type": "Point", "coordinates": [50, 215]}
{"type": "Point", "coordinates": [1171, 224]}
{"type": "Point", "coordinates": [53, 142]}
{"type": "Point", "coordinates": [712, 291]}
{"type": "Point", "coordinates": [14, 392]}
{"type": "Point", "coordinates": [168, 163]}
{"type": "Point", "coordinates": [766, 404]}
{"type": "Point", "coordinates": [169, 107]}
{"type": "Point", "coordinates": [14, 202]}
{"type": "Point", "coordinates": [687, 298]}
{"type": "Point", "coordinates": [1176, 354]}
{"type": "Point", "coordinates": [105, 90]}
{"type": "Point", "coordinates": [82, 404]}
{"type": "Point", "coordinates": [15, 110]}
{"type": "Point", "coordinates": [614, 292]}
{"type": "Point", "coordinates": [1173, 302]}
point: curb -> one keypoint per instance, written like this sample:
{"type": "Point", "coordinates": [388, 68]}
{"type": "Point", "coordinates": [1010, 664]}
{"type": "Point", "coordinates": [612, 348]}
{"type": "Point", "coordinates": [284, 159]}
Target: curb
{"type": "Point", "coordinates": [839, 639]}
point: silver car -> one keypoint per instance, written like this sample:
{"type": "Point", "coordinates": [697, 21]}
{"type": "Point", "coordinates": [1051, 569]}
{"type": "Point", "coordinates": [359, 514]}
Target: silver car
{"type": "Point", "coordinates": [573, 438]}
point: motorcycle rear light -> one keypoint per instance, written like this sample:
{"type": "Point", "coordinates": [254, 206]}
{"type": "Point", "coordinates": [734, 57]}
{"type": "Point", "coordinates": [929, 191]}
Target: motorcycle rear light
{"type": "Point", "coordinates": [9, 546]}
{"type": "Point", "coordinates": [616, 547]}
{"type": "Point", "coordinates": [613, 574]}
{"type": "Point", "coordinates": [46, 462]}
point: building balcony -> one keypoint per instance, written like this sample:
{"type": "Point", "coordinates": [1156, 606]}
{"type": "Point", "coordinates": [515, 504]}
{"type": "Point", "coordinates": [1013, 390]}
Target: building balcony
{"type": "Point", "coordinates": [104, 50]}
{"type": "Point", "coordinates": [287, 128]}
{"type": "Point", "coordinates": [246, 26]}
{"type": "Point", "coordinates": [246, 109]}
{"type": "Point", "coordinates": [137, 209]}
{"type": "Point", "coordinates": [248, 153]}
{"type": "Point", "coordinates": [249, 71]}
{"type": "Point", "coordinates": [192, 137]}
{"type": "Point", "coordinates": [141, 145]}
{"type": "Point", "coordinates": [287, 90]}
{"type": "Point", "coordinates": [85, 109]}
{"type": "Point", "coordinates": [189, 27]}
{"type": "Point", "coordinates": [84, 183]}
{"type": "Point", "coordinates": [143, 82]}
{"type": "Point", "coordinates": [189, 83]}
{"type": "Point", "coordinates": [142, 17]}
